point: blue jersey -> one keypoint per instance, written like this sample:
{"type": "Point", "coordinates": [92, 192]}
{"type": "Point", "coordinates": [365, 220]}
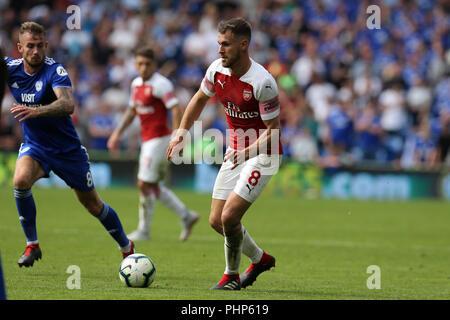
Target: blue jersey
{"type": "Point", "coordinates": [50, 134]}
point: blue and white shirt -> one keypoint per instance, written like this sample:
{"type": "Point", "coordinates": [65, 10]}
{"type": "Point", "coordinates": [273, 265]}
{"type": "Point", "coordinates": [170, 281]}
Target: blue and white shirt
{"type": "Point", "coordinates": [51, 134]}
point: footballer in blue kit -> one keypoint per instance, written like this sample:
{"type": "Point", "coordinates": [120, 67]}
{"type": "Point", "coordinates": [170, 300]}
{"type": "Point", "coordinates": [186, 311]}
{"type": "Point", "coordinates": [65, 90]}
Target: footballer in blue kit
{"type": "Point", "coordinates": [3, 73]}
{"type": "Point", "coordinates": [43, 91]}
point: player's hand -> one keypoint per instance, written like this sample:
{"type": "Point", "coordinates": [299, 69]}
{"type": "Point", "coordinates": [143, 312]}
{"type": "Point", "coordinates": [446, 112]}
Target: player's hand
{"type": "Point", "coordinates": [236, 157]}
{"type": "Point", "coordinates": [174, 147]}
{"type": "Point", "coordinates": [113, 142]}
{"type": "Point", "coordinates": [23, 112]}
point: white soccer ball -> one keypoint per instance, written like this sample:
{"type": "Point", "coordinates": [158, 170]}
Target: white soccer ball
{"type": "Point", "coordinates": [137, 270]}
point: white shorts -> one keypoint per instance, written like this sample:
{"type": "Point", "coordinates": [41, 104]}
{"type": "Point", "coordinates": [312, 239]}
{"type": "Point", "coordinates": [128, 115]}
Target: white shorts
{"type": "Point", "coordinates": [248, 179]}
{"type": "Point", "coordinates": [153, 164]}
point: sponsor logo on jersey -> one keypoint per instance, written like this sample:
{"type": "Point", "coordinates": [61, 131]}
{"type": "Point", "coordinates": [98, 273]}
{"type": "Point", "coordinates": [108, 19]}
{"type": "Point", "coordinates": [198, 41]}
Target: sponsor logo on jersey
{"type": "Point", "coordinates": [247, 94]}
{"type": "Point", "coordinates": [27, 97]}
{"type": "Point", "coordinates": [234, 111]}
{"type": "Point", "coordinates": [145, 109]}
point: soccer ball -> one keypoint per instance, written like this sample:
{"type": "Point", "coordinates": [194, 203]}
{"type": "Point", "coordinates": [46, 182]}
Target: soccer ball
{"type": "Point", "coordinates": [137, 270]}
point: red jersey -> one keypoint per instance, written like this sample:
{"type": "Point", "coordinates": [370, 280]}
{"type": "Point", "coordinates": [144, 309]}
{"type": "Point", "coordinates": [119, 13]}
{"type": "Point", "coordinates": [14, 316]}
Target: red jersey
{"type": "Point", "coordinates": [247, 101]}
{"type": "Point", "coordinates": [152, 99]}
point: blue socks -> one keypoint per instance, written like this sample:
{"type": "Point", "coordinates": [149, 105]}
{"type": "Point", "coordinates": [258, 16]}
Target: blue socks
{"type": "Point", "coordinates": [27, 213]}
{"type": "Point", "coordinates": [110, 220]}
{"type": "Point", "coordinates": [27, 216]}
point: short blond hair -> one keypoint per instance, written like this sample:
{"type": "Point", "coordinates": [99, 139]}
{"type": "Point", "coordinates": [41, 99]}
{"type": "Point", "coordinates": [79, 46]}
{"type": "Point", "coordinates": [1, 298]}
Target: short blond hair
{"type": "Point", "coordinates": [31, 27]}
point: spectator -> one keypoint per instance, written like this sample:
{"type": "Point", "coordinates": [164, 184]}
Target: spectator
{"type": "Point", "coordinates": [368, 134]}
{"type": "Point", "coordinates": [100, 126]}
{"type": "Point", "coordinates": [317, 50]}
{"type": "Point", "coordinates": [393, 120]}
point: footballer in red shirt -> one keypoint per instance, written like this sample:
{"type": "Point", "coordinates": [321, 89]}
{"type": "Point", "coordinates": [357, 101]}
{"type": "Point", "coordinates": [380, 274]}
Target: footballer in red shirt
{"type": "Point", "coordinates": [249, 96]}
{"type": "Point", "coordinates": [152, 95]}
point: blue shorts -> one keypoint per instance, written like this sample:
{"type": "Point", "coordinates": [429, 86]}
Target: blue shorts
{"type": "Point", "coordinates": [72, 167]}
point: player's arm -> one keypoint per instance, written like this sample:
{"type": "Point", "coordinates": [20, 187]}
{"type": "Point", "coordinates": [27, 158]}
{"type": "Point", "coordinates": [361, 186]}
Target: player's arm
{"type": "Point", "coordinates": [63, 105]}
{"type": "Point", "coordinates": [269, 139]}
{"type": "Point", "coordinates": [177, 114]}
{"type": "Point", "coordinates": [3, 75]}
{"type": "Point", "coordinates": [192, 112]}
{"type": "Point", "coordinates": [127, 119]}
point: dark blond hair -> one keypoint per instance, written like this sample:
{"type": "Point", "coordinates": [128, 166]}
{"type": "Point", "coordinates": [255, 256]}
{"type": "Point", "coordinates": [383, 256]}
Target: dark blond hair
{"type": "Point", "coordinates": [32, 27]}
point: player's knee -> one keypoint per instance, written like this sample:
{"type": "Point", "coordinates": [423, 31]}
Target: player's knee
{"type": "Point", "coordinates": [21, 182]}
{"type": "Point", "coordinates": [216, 224]}
{"type": "Point", "coordinates": [229, 220]}
{"type": "Point", "coordinates": [146, 188]}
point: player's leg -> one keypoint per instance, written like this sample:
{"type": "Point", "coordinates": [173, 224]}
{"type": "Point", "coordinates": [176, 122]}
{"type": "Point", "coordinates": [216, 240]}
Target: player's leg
{"type": "Point", "coordinates": [148, 177]}
{"type": "Point", "coordinates": [147, 200]}
{"type": "Point", "coordinates": [187, 217]}
{"type": "Point", "coordinates": [223, 188]}
{"type": "Point", "coordinates": [253, 177]}
{"type": "Point", "coordinates": [107, 217]}
{"type": "Point", "coordinates": [249, 247]}
{"type": "Point", "coordinates": [26, 173]}
{"type": "Point", "coordinates": [159, 168]}
{"type": "Point", "coordinates": [231, 215]}
{"type": "Point", "coordinates": [215, 215]}
{"type": "Point", "coordinates": [74, 169]}
{"type": "Point", "coordinates": [153, 168]}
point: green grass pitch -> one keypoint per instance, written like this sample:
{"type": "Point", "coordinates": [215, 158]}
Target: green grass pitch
{"type": "Point", "coordinates": [323, 249]}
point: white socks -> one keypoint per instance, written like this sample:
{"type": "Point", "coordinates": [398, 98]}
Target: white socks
{"type": "Point", "coordinates": [250, 249]}
{"type": "Point", "coordinates": [237, 244]}
{"type": "Point", "coordinates": [171, 201]}
{"type": "Point", "coordinates": [167, 198]}
{"type": "Point", "coordinates": [146, 210]}
{"type": "Point", "coordinates": [233, 252]}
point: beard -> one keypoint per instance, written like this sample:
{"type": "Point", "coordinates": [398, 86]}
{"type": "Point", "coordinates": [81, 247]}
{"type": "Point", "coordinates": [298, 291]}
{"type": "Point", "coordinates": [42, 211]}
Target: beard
{"type": "Point", "coordinates": [231, 61]}
{"type": "Point", "coordinates": [35, 63]}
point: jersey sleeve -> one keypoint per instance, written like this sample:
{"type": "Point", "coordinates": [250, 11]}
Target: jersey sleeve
{"type": "Point", "coordinates": [164, 90]}
{"type": "Point", "coordinates": [131, 103]}
{"type": "Point", "coordinates": [267, 96]}
{"type": "Point", "coordinates": [60, 77]}
{"type": "Point", "coordinates": [207, 84]}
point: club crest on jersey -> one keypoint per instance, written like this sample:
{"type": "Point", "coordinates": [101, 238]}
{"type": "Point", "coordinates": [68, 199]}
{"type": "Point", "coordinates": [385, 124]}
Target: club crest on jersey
{"type": "Point", "coordinates": [247, 94]}
{"type": "Point", "coordinates": [38, 85]}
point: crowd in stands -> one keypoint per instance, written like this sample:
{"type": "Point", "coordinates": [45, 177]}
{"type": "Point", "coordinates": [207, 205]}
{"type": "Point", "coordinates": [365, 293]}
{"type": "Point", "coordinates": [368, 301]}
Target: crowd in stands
{"type": "Point", "coordinates": [349, 94]}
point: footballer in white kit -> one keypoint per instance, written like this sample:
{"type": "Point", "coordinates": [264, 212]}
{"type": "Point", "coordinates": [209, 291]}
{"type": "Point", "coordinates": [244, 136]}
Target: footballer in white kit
{"type": "Point", "coordinates": [249, 96]}
{"type": "Point", "coordinates": [152, 95]}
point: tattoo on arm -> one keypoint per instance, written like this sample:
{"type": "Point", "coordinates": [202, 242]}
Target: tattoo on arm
{"type": "Point", "coordinates": [62, 106]}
